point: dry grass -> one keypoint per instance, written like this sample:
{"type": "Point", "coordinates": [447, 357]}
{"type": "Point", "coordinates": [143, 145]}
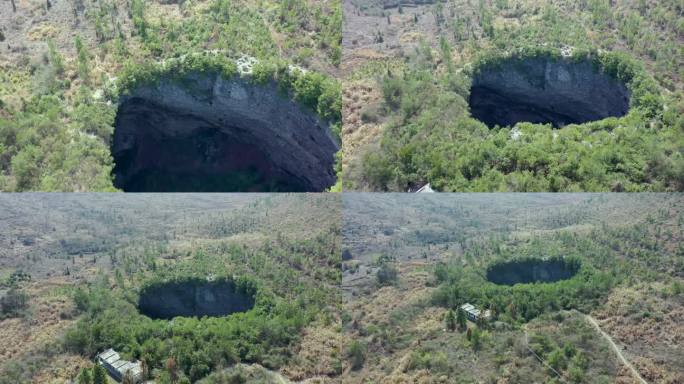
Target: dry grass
{"type": "Point", "coordinates": [650, 328]}
{"type": "Point", "coordinates": [49, 316]}
{"type": "Point", "coordinates": [316, 355]}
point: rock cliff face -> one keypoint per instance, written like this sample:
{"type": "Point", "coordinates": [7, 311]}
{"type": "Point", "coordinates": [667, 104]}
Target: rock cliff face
{"type": "Point", "coordinates": [208, 134]}
{"type": "Point", "coordinates": [542, 90]}
{"type": "Point", "coordinates": [531, 271]}
{"type": "Point", "coordinates": [193, 299]}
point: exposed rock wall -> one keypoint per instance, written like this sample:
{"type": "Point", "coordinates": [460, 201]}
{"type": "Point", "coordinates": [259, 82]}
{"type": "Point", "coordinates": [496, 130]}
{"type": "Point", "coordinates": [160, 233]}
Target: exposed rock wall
{"type": "Point", "coordinates": [193, 299]}
{"type": "Point", "coordinates": [210, 134]}
{"type": "Point", "coordinates": [545, 90]}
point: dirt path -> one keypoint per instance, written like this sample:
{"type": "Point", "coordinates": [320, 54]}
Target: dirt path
{"type": "Point", "coordinates": [617, 350]}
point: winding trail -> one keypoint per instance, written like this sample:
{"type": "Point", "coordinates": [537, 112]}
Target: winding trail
{"type": "Point", "coordinates": [617, 350]}
{"type": "Point", "coordinates": [606, 336]}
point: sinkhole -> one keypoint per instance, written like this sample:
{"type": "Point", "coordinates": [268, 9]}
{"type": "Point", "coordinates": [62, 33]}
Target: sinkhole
{"type": "Point", "coordinates": [193, 298]}
{"type": "Point", "coordinates": [545, 91]}
{"type": "Point", "coordinates": [532, 271]}
{"type": "Point", "coordinates": [203, 133]}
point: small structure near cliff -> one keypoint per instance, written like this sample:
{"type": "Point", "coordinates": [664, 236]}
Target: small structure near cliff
{"type": "Point", "coordinates": [475, 314]}
{"type": "Point", "coordinates": [425, 189]}
{"type": "Point", "coordinates": [119, 368]}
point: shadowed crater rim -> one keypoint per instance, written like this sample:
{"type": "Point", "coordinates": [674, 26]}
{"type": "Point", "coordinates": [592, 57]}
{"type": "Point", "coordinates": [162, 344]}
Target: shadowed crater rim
{"type": "Point", "coordinates": [532, 271]}
{"type": "Point", "coordinates": [545, 91]}
{"type": "Point", "coordinates": [193, 299]}
{"type": "Point", "coordinates": [210, 134]}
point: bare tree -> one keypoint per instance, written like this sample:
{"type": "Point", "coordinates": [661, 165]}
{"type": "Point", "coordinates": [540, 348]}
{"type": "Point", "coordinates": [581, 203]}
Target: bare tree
{"type": "Point", "coordinates": [14, 6]}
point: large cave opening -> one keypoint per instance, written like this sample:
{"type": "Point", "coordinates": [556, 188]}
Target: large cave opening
{"type": "Point", "coordinates": [193, 298]}
{"type": "Point", "coordinates": [209, 134]}
{"type": "Point", "coordinates": [552, 91]}
{"type": "Point", "coordinates": [532, 271]}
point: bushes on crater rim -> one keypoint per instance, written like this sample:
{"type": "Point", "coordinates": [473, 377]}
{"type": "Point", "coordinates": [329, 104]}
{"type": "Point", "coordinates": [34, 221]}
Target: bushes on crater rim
{"type": "Point", "coordinates": [429, 137]}
{"type": "Point", "coordinates": [521, 302]}
{"type": "Point", "coordinates": [319, 92]}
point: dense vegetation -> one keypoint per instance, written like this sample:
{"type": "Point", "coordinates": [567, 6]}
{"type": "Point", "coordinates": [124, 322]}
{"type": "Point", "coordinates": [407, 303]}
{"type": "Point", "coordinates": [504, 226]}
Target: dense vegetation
{"type": "Point", "coordinates": [625, 249]}
{"type": "Point", "coordinates": [13, 303]}
{"type": "Point", "coordinates": [432, 139]}
{"type": "Point", "coordinates": [429, 136]}
{"type": "Point", "coordinates": [602, 266]}
{"type": "Point", "coordinates": [521, 302]}
{"type": "Point", "coordinates": [81, 263]}
{"type": "Point", "coordinates": [315, 90]}
{"type": "Point", "coordinates": [199, 346]}
{"type": "Point", "coordinates": [56, 123]}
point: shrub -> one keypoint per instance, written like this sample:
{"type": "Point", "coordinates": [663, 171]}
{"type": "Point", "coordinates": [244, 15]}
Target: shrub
{"type": "Point", "coordinates": [84, 377]}
{"type": "Point", "coordinates": [387, 274]}
{"type": "Point", "coordinates": [13, 303]}
{"type": "Point", "coordinates": [370, 114]}
{"type": "Point", "coordinates": [357, 355]}
{"type": "Point", "coordinates": [450, 320]}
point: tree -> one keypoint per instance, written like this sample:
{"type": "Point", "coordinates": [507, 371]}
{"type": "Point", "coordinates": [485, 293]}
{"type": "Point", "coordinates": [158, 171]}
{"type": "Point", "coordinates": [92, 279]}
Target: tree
{"type": "Point", "coordinates": [81, 299]}
{"type": "Point", "coordinates": [99, 375]}
{"type": "Point", "coordinates": [461, 320]}
{"type": "Point", "coordinates": [172, 368]}
{"type": "Point", "coordinates": [557, 359]}
{"type": "Point", "coordinates": [481, 322]}
{"type": "Point", "coordinates": [55, 57]}
{"type": "Point", "coordinates": [511, 311]}
{"type": "Point", "coordinates": [14, 6]}
{"type": "Point", "coordinates": [83, 60]}
{"type": "Point", "coordinates": [357, 355]}
{"type": "Point", "coordinates": [128, 378]}
{"type": "Point", "coordinates": [84, 377]}
{"type": "Point", "coordinates": [145, 366]}
{"type": "Point", "coordinates": [13, 302]}
{"type": "Point", "coordinates": [450, 320]}
{"type": "Point", "coordinates": [137, 13]}
{"type": "Point", "coordinates": [476, 338]}
{"type": "Point", "coordinates": [387, 274]}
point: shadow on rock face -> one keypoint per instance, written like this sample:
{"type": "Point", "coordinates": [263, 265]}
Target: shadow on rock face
{"type": "Point", "coordinates": [546, 91]}
{"type": "Point", "coordinates": [531, 271]}
{"type": "Point", "coordinates": [216, 135]}
{"type": "Point", "coordinates": [191, 298]}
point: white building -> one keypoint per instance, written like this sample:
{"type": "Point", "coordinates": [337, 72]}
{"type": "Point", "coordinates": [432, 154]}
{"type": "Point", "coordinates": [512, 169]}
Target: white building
{"type": "Point", "coordinates": [118, 368]}
{"type": "Point", "coordinates": [474, 314]}
{"type": "Point", "coordinates": [424, 189]}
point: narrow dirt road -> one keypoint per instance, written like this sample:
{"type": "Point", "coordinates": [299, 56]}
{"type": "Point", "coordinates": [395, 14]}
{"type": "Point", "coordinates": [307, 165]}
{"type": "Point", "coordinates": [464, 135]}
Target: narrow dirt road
{"type": "Point", "coordinates": [617, 350]}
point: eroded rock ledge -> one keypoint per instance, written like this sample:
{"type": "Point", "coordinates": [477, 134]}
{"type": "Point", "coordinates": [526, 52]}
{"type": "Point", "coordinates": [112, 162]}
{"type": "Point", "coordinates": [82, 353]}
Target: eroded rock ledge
{"type": "Point", "coordinates": [209, 134]}
{"type": "Point", "coordinates": [545, 90]}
